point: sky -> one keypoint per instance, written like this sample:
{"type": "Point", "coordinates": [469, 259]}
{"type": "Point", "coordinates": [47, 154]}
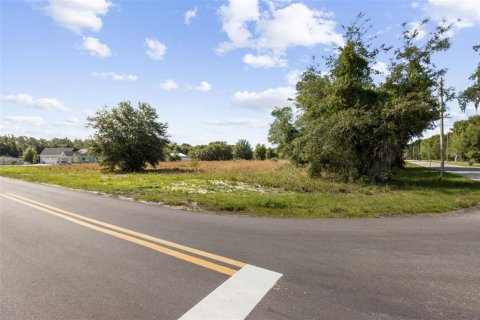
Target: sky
{"type": "Point", "coordinates": [213, 70]}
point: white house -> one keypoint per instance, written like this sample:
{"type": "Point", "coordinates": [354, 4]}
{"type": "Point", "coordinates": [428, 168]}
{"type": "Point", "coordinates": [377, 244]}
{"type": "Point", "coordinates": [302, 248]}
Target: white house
{"type": "Point", "coordinates": [65, 155]}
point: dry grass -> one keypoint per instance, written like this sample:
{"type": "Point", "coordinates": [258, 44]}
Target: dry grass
{"type": "Point", "coordinates": [236, 166]}
{"type": "Point", "coordinates": [272, 188]}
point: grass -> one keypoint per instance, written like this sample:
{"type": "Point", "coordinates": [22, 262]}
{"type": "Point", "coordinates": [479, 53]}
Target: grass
{"type": "Point", "coordinates": [458, 163]}
{"type": "Point", "coordinates": [265, 188]}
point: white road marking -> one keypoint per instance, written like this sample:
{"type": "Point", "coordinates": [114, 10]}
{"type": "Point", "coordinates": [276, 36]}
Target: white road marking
{"type": "Point", "coordinates": [236, 297]}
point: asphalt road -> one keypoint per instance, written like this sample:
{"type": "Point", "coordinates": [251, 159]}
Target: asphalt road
{"type": "Point", "coordinates": [467, 172]}
{"type": "Point", "coordinates": [424, 267]}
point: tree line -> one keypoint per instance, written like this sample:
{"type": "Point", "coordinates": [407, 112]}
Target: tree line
{"type": "Point", "coordinates": [221, 150]}
{"type": "Point", "coordinates": [462, 143]}
{"type": "Point", "coordinates": [28, 148]}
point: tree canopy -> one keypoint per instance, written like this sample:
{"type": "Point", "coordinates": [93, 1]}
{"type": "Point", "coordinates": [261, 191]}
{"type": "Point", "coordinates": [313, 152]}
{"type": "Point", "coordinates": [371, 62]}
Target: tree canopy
{"type": "Point", "coordinates": [347, 125]}
{"type": "Point", "coordinates": [243, 150]}
{"type": "Point", "coordinates": [217, 150]}
{"type": "Point", "coordinates": [472, 93]}
{"type": "Point", "coordinates": [127, 138]}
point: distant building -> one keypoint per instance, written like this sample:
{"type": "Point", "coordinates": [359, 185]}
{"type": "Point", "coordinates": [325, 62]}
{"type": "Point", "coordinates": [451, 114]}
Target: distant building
{"type": "Point", "coordinates": [6, 160]}
{"type": "Point", "coordinates": [65, 155]}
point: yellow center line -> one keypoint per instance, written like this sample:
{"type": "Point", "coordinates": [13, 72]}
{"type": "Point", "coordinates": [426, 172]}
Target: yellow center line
{"type": "Point", "coordinates": [137, 234]}
{"type": "Point", "coordinates": [176, 254]}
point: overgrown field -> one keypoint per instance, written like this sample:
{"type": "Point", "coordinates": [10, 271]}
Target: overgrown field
{"type": "Point", "coordinates": [266, 188]}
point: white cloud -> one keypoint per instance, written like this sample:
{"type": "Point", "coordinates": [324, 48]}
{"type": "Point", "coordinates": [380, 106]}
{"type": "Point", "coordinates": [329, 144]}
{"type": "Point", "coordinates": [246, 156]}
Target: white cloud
{"type": "Point", "coordinates": [190, 15]}
{"type": "Point", "coordinates": [26, 120]}
{"type": "Point", "coordinates": [414, 5]}
{"type": "Point", "coordinates": [115, 76]}
{"type": "Point", "coordinates": [264, 61]}
{"type": "Point", "coordinates": [78, 15]}
{"type": "Point", "coordinates": [380, 67]}
{"type": "Point", "coordinates": [235, 17]}
{"type": "Point", "coordinates": [466, 10]}
{"type": "Point", "coordinates": [297, 25]}
{"type": "Point", "coordinates": [95, 47]}
{"type": "Point", "coordinates": [264, 100]}
{"type": "Point", "coordinates": [156, 50]}
{"type": "Point", "coordinates": [28, 100]}
{"type": "Point", "coordinates": [248, 122]}
{"type": "Point", "coordinates": [70, 122]}
{"type": "Point", "coordinates": [169, 84]}
{"type": "Point", "coordinates": [204, 86]}
{"type": "Point", "coordinates": [275, 30]}
{"type": "Point", "coordinates": [419, 28]}
{"type": "Point", "coordinates": [294, 76]}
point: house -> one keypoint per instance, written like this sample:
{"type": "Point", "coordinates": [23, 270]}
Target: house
{"type": "Point", "coordinates": [65, 155]}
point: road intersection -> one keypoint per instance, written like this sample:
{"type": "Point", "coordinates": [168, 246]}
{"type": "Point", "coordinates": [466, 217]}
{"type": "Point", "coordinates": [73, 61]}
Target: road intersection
{"type": "Point", "coordinates": [150, 262]}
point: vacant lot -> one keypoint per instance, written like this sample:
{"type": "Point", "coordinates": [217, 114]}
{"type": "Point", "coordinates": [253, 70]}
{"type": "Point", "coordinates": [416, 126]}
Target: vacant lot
{"type": "Point", "coordinates": [268, 188]}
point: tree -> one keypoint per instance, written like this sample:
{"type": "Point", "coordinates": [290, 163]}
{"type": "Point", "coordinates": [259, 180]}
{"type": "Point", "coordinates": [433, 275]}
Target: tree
{"type": "Point", "coordinates": [8, 147]}
{"type": "Point", "coordinates": [214, 151]}
{"type": "Point", "coordinates": [347, 125]}
{"type": "Point", "coordinates": [471, 139]}
{"type": "Point", "coordinates": [260, 152]}
{"type": "Point", "coordinates": [282, 132]}
{"type": "Point", "coordinates": [128, 138]}
{"type": "Point", "coordinates": [243, 150]}
{"type": "Point", "coordinates": [430, 148]}
{"type": "Point", "coordinates": [30, 155]}
{"type": "Point", "coordinates": [271, 153]}
{"type": "Point", "coordinates": [472, 93]}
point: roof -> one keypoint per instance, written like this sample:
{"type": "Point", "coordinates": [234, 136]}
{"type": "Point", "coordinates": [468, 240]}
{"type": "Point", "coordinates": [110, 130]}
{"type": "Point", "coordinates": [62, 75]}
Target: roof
{"type": "Point", "coordinates": [55, 151]}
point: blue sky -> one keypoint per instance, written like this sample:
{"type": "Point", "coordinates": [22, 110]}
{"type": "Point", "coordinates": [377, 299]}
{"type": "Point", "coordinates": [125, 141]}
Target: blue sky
{"type": "Point", "coordinates": [213, 70]}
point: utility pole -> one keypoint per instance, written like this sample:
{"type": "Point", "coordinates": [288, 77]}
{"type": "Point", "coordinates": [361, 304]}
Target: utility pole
{"type": "Point", "coordinates": [442, 141]}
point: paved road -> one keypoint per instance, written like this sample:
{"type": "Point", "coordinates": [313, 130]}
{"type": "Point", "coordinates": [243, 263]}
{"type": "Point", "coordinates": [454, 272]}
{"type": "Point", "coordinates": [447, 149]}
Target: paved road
{"type": "Point", "coordinates": [422, 267]}
{"type": "Point", "coordinates": [467, 172]}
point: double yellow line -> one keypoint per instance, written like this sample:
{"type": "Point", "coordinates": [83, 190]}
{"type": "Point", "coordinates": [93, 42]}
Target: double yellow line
{"type": "Point", "coordinates": [135, 237]}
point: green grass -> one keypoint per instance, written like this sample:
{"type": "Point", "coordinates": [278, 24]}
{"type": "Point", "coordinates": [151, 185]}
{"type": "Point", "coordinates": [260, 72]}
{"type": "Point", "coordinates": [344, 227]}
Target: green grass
{"type": "Point", "coordinates": [458, 163]}
{"type": "Point", "coordinates": [265, 188]}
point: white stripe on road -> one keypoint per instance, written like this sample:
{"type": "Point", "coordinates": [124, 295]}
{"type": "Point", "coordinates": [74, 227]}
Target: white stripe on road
{"type": "Point", "coordinates": [236, 297]}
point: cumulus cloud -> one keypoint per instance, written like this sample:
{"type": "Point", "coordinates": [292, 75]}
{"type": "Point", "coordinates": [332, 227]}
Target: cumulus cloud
{"type": "Point", "coordinates": [265, 100]}
{"type": "Point", "coordinates": [466, 10]}
{"type": "Point", "coordinates": [264, 61]}
{"type": "Point", "coordinates": [78, 15]}
{"type": "Point", "coordinates": [169, 84]}
{"type": "Point", "coordinates": [95, 47]}
{"type": "Point", "coordinates": [155, 49]}
{"type": "Point", "coordinates": [275, 29]}
{"type": "Point", "coordinates": [115, 76]}
{"type": "Point", "coordinates": [248, 122]}
{"type": "Point", "coordinates": [235, 17]}
{"type": "Point", "coordinates": [414, 5]}
{"type": "Point", "coordinates": [190, 15]}
{"type": "Point", "coordinates": [28, 100]}
{"type": "Point", "coordinates": [297, 25]}
{"type": "Point", "coordinates": [26, 120]}
{"type": "Point", "coordinates": [204, 86]}
{"type": "Point", "coordinates": [294, 76]}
